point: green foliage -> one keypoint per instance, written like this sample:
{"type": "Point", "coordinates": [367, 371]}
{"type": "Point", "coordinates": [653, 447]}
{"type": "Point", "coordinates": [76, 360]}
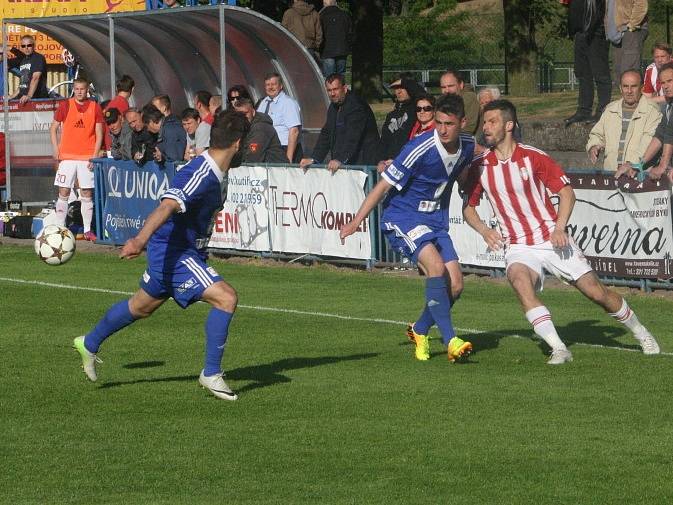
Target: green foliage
{"type": "Point", "coordinates": [433, 38]}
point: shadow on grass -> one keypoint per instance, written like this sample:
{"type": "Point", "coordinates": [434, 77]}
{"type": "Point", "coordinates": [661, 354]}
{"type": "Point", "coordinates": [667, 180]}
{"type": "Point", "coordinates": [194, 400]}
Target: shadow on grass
{"type": "Point", "coordinates": [261, 375]}
{"type": "Point", "coordinates": [588, 331]}
{"type": "Point", "coordinates": [144, 364]}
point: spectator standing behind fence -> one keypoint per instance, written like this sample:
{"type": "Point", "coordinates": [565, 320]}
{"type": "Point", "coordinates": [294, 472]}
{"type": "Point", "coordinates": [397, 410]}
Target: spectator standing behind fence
{"type": "Point", "coordinates": [661, 54]}
{"type": "Point", "coordinates": [237, 91]}
{"type": "Point", "coordinates": [142, 141]}
{"type": "Point", "coordinates": [171, 141]}
{"type": "Point", "coordinates": [585, 26]}
{"type": "Point", "coordinates": [451, 83]}
{"type": "Point", "coordinates": [399, 121]}
{"type": "Point", "coordinates": [286, 116]}
{"type": "Point", "coordinates": [626, 126]}
{"type": "Point", "coordinates": [663, 136]}
{"type": "Point", "coordinates": [626, 27]}
{"type": "Point", "coordinates": [337, 31]}
{"type": "Point", "coordinates": [261, 144]}
{"type": "Point", "coordinates": [124, 86]}
{"type": "Point", "coordinates": [81, 123]}
{"type": "Point", "coordinates": [120, 133]}
{"type": "Point", "coordinates": [32, 72]}
{"type": "Point", "coordinates": [486, 96]}
{"type": "Point", "coordinates": [350, 135]}
{"type": "Point", "coordinates": [304, 23]}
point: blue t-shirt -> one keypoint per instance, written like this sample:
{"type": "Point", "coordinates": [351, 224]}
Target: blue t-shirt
{"type": "Point", "coordinates": [422, 177]}
{"type": "Point", "coordinates": [198, 188]}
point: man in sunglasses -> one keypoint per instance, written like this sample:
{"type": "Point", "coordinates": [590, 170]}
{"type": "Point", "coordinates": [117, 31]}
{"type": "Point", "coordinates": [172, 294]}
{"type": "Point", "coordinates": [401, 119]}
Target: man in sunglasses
{"type": "Point", "coordinates": [33, 73]}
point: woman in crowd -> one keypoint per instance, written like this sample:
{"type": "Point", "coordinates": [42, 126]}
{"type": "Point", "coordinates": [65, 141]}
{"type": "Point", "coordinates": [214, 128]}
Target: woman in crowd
{"type": "Point", "coordinates": [425, 116]}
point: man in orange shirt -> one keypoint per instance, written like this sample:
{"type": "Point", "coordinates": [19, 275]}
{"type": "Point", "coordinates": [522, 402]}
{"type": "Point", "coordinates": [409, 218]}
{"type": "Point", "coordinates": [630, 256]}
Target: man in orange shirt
{"type": "Point", "coordinates": [81, 123]}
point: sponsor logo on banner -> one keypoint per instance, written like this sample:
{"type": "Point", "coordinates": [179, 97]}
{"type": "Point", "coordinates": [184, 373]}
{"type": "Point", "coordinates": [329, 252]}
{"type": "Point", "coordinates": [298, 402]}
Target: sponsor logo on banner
{"type": "Point", "coordinates": [32, 117]}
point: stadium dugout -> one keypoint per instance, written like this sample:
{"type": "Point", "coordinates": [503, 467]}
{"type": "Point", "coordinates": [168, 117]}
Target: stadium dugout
{"type": "Point", "coordinates": [180, 51]}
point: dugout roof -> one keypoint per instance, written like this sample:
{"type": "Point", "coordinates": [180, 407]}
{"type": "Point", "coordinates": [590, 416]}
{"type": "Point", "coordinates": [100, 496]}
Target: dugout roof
{"type": "Point", "coordinates": [180, 51]}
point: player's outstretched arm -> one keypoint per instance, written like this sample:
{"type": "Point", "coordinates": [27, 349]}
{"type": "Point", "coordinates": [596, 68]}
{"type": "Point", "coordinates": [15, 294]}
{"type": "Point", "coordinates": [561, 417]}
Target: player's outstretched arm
{"type": "Point", "coordinates": [492, 238]}
{"type": "Point", "coordinates": [559, 237]}
{"type": "Point", "coordinates": [134, 246]}
{"type": "Point", "coordinates": [371, 201]}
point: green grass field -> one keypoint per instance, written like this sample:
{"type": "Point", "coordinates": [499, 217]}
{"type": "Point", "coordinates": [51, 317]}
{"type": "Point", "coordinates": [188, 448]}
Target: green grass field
{"type": "Point", "coordinates": [331, 410]}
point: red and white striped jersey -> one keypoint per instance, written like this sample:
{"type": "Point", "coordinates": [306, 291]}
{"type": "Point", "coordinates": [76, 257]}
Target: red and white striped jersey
{"type": "Point", "coordinates": [518, 191]}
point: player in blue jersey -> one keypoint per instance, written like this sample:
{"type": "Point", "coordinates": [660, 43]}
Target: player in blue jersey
{"type": "Point", "coordinates": [176, 235]}
{"type": "Point", "coordinates": [417, 187]}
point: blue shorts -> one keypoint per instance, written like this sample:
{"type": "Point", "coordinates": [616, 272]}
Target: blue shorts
{"type": "Point", "coordinates": [185, 283]}
{"type": "Point", "coordinates": [410, 239]}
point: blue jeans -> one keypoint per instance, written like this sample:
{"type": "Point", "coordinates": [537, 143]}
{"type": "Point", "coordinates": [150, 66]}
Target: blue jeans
{"type": "Point", "coordinates": [334, 66]}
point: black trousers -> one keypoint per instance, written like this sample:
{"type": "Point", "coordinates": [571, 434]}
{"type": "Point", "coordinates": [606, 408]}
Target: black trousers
{"type": "Point", "coordinates": [592, 65]}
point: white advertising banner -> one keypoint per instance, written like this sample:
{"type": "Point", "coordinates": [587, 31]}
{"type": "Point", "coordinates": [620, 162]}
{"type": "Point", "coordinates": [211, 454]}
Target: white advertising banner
{"type": "Point", "coordinates": [307, 209]}
{"type": "Point", "coordinates": [34, 116]}
{"type": "Point", "coordinates": [470, 246]}
{"type": "Point", "coordinates": [243, 222]}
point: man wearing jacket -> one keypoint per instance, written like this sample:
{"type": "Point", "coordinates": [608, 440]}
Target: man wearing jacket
{"type": "Point", "coordinates": [337, 33]}
{"type": "Point", "coordinates": [261, 144]}
{"type": "Point", "coordinates": [350, 134]}
{"type": "Point", "coordinates": [171, 140]}
{"type": "Point", "coordinates": [626, 126]}
{"type": "Point", "coordinates": [304, 23]}
{"type": "Point", "coordinates": [626, 27]}
{"type": "Point", "coordinates": [399, 122]}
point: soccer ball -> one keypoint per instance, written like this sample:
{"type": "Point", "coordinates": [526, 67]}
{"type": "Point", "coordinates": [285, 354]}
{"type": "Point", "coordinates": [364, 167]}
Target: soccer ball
{"type": "Point", "coordinates": [55, 245]}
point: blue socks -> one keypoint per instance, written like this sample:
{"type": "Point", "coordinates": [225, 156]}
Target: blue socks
{"type": "Point", "coordinates": [424, 322]}
{"type": "Point", "coordinates": [117, 317]}
{"type": "Point", "coordinates": [217, 329]}
{"type": "Point", "coordinates": [438, 302]}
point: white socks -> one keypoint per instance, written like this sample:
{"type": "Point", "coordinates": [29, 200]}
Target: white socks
{"type": "Point", "coordinates": [544, 328]}
{"type": "Point", "coordinates": [61, 210]}
{"type": "Point", "coordinates": [87, 212]}
{"type": "Point", "coordinates": [628, 318]}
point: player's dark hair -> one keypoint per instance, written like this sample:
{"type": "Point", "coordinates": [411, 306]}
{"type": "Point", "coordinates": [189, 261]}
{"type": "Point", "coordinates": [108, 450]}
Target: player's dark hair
{"type": "Point", "coordinates": [451, 104]}
{"type": "Point", "coordinates": [335, 77]}
{"type": "Point", "coordinates": [506, 108]}
{"type": "Point", "coordinates": [228, 127]}
{"type": "Point", "coordinates": [202, 97]}
{"type": "Point", "coordinates": [190, 113]}
{"type": "Point", "coordinates": [125, 84]}
{"type": "Point", "coordinates": [151, 113]}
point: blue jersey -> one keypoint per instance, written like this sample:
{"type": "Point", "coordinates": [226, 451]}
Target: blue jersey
{"type": "Point", "coordinates": [198, 188]}
{"type": "Point", "coordinates": [422, 177]}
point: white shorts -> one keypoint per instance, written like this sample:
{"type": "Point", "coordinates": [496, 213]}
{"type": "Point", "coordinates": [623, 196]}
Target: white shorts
{"type": "Point", "coordinates": [567, 264]}
{"type": "Point", "coordinates": [68, 169]}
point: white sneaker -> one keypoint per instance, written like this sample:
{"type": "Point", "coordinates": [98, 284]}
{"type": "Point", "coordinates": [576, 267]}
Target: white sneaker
{"type": "Point", "coordinates": [216, 385]}
{"type": "Point", "coordinates": [648, 344]}
{"type": "Point", "coordinates": [89, 359]}
{"type": "Point", "coordinates": [560, 356]}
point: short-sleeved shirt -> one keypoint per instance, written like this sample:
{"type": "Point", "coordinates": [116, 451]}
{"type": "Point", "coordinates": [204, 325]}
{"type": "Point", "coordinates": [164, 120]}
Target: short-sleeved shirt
{"type": "Point", "coordinates": [422, 176]}
{"type": "Point", "coordinates": [27, 66]}
{"type": "Point", "coordinates": [517, 189]}
{"type": "Point", "coordinates": [198, 188]}
{"type": "Point", "coordinates": [284, 112]}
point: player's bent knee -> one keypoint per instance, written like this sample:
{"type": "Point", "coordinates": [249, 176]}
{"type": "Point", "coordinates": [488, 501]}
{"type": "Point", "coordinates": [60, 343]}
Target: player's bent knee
{"type": "Point", "coordinates": [221, 296]}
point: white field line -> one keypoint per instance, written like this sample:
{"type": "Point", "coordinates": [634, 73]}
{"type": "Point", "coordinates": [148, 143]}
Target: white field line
{"type": "Point", "coordinates": [298, 312]}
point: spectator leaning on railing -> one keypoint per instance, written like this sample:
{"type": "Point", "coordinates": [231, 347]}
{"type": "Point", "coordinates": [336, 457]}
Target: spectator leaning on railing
{"type": "Point", "coordinates": [120, 133]}
{"type": "Point", "coordinates": [171, 141]}
{"type": "Point", "coordinates": [142, 141]}
{"type": "Point", "coordinates": [626, 126]}
{"type": "Point", "coordinates": [663, 136]}
{"type": "Point", "coordinates": [350, 135]}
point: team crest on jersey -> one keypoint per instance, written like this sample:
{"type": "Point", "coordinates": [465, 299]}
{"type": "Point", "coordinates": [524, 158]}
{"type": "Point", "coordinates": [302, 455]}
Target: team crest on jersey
{"type": "Point", "coordinates": [253, 147]}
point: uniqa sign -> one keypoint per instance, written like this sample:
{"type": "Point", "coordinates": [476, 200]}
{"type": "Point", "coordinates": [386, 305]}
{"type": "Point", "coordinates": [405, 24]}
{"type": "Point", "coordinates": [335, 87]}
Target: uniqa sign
{"type": "Point", "coordinates": [145, 185]}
